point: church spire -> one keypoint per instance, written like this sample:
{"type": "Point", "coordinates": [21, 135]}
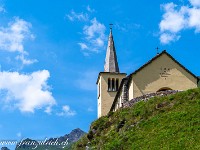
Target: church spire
{"type": "Point", "coordinates": [111, 64]}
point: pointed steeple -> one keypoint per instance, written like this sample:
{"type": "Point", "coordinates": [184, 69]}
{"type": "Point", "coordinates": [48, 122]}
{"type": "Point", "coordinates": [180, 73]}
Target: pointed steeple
{"type": "Point", "coordinates": [111, 64]}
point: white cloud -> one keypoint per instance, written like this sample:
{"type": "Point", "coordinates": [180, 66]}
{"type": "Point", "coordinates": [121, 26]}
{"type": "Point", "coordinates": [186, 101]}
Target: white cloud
{"type": "Point", "coordinates": [48, 110]}
{"type": "Point", "coordinates": [13, 36]}
{"type": "Point", "coordinates": [25, 61]}
{"type": "Point", "coordinates": [94, 29]}
{"type": "Point", "coordinates": [66, 111]}
{"type": "Point", "coordinates": [94, 36]}
{"type": "Point", "coordinates": [195, 3]}
{"type": "Point", "coordinates": [178, 18]}
{"type": "Point", "coordinates": [90, 9]}
{"type": "Point", "coordinates": [173, 20]}
{"type": "Point", "coordinates": [83, 46]}
{"type": "Point", "coordinates": [194, 19]}
{"type": "Point", "coordinates": [77, 16]}
{"type": "Point", "coordinates": [93, 32]}
{"type": "Point", "coordinates": [165, 38]}
{"type": "Point", "coordinates": [26, 92]}
{"type": "Point", "coordinates": [87, 80]}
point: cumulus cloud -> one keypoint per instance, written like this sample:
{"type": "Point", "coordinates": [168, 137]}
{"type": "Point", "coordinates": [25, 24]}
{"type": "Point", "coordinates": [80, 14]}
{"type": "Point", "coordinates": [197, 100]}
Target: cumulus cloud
{"type": "Point", "coordinates": [165, 38]}
{"type": "Point", "coordinates": [177, 18]}
{"type": "Point", "coordinates": [66, 111]}
{"type": "Point", "coordinates": [173, 20]}
{"type": "Point", "coordinates": [195, 3]}
{"type": "Point", "coordinates": [194, 19]}
{"type": "Point", "coordinates": [13, 36]}
{"type": "Point", "coordinates": [25, 61]}
{"type": "Point", "coordinates": [94, 36]}
{"type": "Point", "coordinates": [73, 16]}
{"type": "Point", "coordinates": [26, 92]}
{"type": "Point", "coordinates": [93, 32]}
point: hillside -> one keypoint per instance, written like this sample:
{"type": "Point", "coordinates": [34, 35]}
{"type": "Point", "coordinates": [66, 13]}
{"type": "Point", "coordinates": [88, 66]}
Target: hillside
{"type": "Point", "coordinates": [171, 122]}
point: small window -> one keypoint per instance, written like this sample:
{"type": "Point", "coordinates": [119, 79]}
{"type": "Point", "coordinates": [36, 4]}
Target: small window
{"type": "Point", "coordinates": [113, 84]}
{"type": "Point", "coordinates": [109, 84]}
{"type": "Point", "coordinates": [117, 84]}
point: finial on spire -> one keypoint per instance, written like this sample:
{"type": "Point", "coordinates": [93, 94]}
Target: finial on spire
{"type": "Point", "coordinates": [111, 25]}
{"type": "Point", "coordinates": [157, 50]}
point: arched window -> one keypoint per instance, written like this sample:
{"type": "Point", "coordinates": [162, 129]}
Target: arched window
{"type": "Point", "coordinates": [113, 84]}
{"type": "Point", "coordinates": [109, 84]}
{"type": "Point", "coordinates": [164, 89]}
{"type": "Point", "coordinates": [117, 84]}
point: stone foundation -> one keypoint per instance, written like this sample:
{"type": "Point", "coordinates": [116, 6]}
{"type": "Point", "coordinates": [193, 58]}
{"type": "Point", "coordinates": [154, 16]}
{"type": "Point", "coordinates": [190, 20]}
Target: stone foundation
{"type": "Point", "coordinates": [148, 96]}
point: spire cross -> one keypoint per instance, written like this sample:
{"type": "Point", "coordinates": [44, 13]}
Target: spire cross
{"type": "Point", "coordinates": [111, 25]}
{"type": "Point", "coordinates": [157, 50]}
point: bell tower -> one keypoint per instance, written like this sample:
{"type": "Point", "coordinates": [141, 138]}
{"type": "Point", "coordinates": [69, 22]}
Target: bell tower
{"type": "Point", "coordinates": [108, 82]}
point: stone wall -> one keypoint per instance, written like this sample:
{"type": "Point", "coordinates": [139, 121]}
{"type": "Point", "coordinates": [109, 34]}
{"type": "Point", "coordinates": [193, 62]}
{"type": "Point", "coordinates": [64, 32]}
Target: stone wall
{"type": "Point", "coordinates": [148, 96]}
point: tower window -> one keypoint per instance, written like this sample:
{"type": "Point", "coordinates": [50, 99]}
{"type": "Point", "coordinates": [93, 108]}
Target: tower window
{"type": "Point", "coordinates": [117, 84]}
{"type": "Point", "coordinates": [109, 84]}
{"type": "Point", "coordinates": [113, 84]}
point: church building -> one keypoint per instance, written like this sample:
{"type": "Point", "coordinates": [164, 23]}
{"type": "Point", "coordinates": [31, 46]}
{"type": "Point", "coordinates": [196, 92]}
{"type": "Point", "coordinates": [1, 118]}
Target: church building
{"type": "Point", "coordinates": [161, 73]}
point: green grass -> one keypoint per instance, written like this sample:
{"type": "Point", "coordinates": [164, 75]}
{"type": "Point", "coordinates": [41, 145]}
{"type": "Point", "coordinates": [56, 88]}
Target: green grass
{"type": "Point", "coordinates": [171, 122]}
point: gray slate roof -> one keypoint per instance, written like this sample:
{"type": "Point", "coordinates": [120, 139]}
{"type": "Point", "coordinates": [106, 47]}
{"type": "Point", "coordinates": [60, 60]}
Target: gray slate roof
{"type": "Point", "coordinates": [111, 63]}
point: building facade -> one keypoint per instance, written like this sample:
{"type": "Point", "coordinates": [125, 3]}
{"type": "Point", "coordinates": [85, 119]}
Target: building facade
{"type": "Point", "coordinates": [161, 73]}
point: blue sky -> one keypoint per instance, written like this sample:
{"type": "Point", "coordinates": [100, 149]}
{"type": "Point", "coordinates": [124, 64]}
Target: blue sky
{"type": "Point", "coordinates": [51, 53]}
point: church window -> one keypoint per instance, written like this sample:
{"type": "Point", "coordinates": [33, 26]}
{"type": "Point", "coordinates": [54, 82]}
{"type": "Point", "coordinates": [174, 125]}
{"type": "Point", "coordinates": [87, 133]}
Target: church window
{"type": "Point", "coordinates": [117, 84]}
{"type": "Point", "coordinates": [164, 89]}
{"type": "Point", "coordinates": [109, 84]}
{"type": "Point", "coordinates": [113, 84]}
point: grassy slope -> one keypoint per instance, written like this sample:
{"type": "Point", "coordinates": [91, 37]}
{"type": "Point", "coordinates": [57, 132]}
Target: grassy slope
{"type": "Point", "coordinates": [171, 122]}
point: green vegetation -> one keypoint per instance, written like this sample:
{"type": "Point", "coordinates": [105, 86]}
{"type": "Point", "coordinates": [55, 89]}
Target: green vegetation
{"type": "Point", "coordinates": [171, 122]}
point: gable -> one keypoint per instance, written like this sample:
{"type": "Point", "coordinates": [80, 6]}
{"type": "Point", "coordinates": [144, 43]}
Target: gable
{"type": "Point", "coordinates": [163, 71]}
{"type": "Point", "coordinates": [159, 55]}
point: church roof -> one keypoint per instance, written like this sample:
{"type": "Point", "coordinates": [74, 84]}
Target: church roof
{"type": "Point", "coordinates": [111, 64]}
